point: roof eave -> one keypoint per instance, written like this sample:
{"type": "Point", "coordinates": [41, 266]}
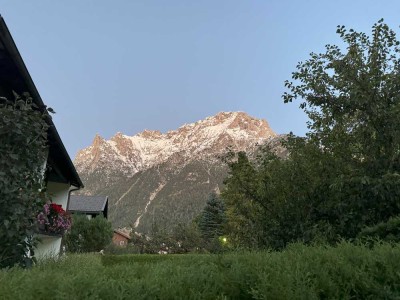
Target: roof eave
{"type": "Point", "coordinates": [105, 203]}
{"type": "Point", "coordinates": [123, 234]}
{"type": "Point", "coordinates": [16, 56]}
{"type": "Point", "coordinates": [85, 211]}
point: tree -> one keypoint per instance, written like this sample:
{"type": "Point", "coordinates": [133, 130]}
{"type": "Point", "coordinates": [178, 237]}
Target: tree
{"type": "Point", "coordinates": [23, 153]}
{"type": "Point", "coordinates": [88, 235]}
{"type": "Point", "coordinates": [186, 238]}
{"type": "Point", "coordinates": [345, 174]}
{"type": "Point", "coordinates": [244, 209]}
{"type": "Point", "coordinates": [212, 218]}
{"type": "Point", "coordinates": [352, 100]}
{"type": "Point", "coordinates": [269, 199]}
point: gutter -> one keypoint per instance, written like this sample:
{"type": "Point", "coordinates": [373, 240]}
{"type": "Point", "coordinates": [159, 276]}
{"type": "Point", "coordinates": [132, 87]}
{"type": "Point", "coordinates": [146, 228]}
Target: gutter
{"type": "Point", "coordinates": [69, 195]}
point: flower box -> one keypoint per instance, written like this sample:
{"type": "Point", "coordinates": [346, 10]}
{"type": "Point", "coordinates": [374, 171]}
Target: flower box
{"type": "Point", "coordinates": [46, 234]}
{"type": "Point", "coordinates": [53, 220]}
{"type": "Point", "coordinates": [41, 230]}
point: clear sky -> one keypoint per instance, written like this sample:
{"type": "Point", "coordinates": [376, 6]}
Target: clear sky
{"type": "Point", "coordinates": [122, 65]}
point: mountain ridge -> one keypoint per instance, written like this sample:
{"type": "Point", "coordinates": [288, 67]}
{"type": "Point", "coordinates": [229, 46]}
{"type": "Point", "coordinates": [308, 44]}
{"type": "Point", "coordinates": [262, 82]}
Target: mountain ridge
{"type": "Point", "coordinates": [149, 147]}
{"type": "Point", "coordinates": [153, 171]}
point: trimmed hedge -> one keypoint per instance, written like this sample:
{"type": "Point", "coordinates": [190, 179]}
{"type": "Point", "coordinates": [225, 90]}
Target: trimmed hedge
{"type": "Point", "coordinates": [110, 260]}
{"type": "Point", "coordinates": [299, 272]}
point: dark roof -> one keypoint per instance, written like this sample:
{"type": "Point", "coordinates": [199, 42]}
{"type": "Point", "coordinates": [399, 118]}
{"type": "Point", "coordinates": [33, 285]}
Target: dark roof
{"type": "Point", "coordinates": [87, 204]}
{"type": "Point", "coordinates": [15, 76]}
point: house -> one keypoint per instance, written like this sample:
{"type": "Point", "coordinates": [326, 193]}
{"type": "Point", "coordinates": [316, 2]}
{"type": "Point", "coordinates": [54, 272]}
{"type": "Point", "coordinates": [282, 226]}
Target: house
{"type": "Point", "coordinates": [120, 238]}
{"type": "Point", "coordinates": [91, 206]}
{"type": "Point", "coordinates": [62, 177]}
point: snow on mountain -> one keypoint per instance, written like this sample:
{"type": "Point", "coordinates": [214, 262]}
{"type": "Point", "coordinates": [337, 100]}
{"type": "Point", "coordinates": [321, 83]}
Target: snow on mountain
{"type": "Point", "coordinates": [167, 177]}
{"type": "Point", "coordinates": [203, 139]}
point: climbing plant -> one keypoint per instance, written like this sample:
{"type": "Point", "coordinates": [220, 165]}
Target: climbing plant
{"type": "Point", "coordinates": [23, 153]}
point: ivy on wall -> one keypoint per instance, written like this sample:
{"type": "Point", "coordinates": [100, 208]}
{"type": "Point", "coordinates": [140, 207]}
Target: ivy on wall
{"type": "Point", "coordinates": [23, 153]}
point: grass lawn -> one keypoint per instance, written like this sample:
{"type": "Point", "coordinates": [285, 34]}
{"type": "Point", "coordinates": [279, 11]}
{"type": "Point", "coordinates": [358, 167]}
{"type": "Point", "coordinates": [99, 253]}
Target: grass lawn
{"type": "Point", "coordinates": [300, 272]}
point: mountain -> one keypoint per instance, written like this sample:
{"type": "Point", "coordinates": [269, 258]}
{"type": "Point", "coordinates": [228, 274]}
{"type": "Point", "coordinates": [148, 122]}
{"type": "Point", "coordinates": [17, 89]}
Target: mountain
{"type": "Point", "coordinates": [153, 177]}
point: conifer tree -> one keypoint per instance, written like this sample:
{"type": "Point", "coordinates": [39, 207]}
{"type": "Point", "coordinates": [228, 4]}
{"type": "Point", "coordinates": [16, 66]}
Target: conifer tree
{"type": "Point", "coordinates": [212, 218]}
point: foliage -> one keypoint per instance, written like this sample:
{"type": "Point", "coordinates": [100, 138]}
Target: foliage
{"type": "Point", "coordinates": [243, 212]}
{"type": "Point", "coordinates": [183, 238]}
{"type": "Point", "coordinates": [345, 174]}
{"type": "Point", "coordinates": [110, 260]}
{"type": "Point", "coordinates": [300, 272]}
{"type": "Point", "coordinates": [54, 219]}
{"type": "Point", "coordinates": [187, 238]}
{"type": "Point", "coordinates": [169, 207]}
{"type": "Point", "coordinates": [212, 218]}
{"type": "Point", "coordinates": [118, 250]}
{"type": "Point", "coordinates": [23, 148]}
{"type": "Point", "coordinates": [386, 231]}
{"type": "Point", "coordinates": [88, 235]}
{"type": "Point", "coordinates": [211, 224]}
{"type": "Point", "coordinates": [352, 99]}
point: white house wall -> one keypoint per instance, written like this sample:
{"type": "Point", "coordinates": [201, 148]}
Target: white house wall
{"type": "Point", "coordinates": [58, 193]}
{"type": "Point", "coordinates": [49, 246]}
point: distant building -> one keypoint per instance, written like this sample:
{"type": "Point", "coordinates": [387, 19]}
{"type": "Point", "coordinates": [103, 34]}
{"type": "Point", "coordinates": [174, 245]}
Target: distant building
{"type": "Point", "coordinates": [91, 206]}
{"type": "Point", "coordinates": [120, 238]}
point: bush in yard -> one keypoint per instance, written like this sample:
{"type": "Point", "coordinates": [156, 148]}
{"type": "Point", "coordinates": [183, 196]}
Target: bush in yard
{"type": "Point", "coordinates": [23, 153]}
{"type": "Point", "coordinates": [386, 231]}
{"type": "Point", "coordinates": [88, 235]}
{"type": "Point", "coordinates": [346, 271]}
{"type": "Point", "coordinates": [186, 238]}
{"type": "Point", "coordinates": [118, 250]}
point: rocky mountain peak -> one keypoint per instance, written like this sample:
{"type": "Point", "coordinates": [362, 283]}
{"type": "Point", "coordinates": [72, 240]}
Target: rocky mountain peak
{"type": "Point", "coordinates": [222, 116]}
{"type": "Point", "coordinates": [98, 140]}
{"type": "Point", "coordinates": [166, 177]}
{"type": "Point", "coordinates": [150, 134]}
{"type": "Point", "coordinates": [204, 138]}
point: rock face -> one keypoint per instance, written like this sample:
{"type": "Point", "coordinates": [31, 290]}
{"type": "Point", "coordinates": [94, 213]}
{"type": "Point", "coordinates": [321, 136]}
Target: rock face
{"type": "Point", "coordinates": [153, 177]}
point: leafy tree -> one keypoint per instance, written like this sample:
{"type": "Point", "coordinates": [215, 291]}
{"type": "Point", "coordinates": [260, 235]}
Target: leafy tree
{"type": "Point", "coordinates": [212, 218]}
{"type": "Point", "coordinates": [183, 238]}
{"type": "Point", "coordinates": [352, 100]}
{"type": "Point", "coordinates": [159, 239]}
{"type": "Point", "coordinates": [345, 174]}
{"type": "Point", "coordinates": [23, 153]}
{"type": "Point", "coordinates": [88, 235]}
{"type": "Point", "coordinates": [186, 238]}
{"type": "Point", "coordinates": [244, 208]}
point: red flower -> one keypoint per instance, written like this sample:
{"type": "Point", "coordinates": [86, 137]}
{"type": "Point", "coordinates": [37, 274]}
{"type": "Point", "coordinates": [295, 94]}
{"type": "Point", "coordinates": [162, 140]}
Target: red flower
{"type": "Point", "coordinates": [54, 219]}
{"type": "Point", "coordinates": [56, 208]}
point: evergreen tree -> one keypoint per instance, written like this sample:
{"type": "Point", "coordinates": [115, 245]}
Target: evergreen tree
{"type": "Point", "coordinates": [212, 219]}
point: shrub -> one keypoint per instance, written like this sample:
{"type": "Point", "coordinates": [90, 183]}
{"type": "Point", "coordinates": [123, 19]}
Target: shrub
{"type": "Point", "coordinates": [346, 271]}
{"type": "Point", "coordinates": [88, 235]}
{"type": "Point", "coordinates": [118, 250]}
{"type": "Point", "coordinates": [386, 231]}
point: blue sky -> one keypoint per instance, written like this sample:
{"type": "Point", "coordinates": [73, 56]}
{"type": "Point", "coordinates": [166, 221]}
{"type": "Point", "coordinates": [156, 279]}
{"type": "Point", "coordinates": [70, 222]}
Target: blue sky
{"type": "Point", "coordinates": [124, 65]}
